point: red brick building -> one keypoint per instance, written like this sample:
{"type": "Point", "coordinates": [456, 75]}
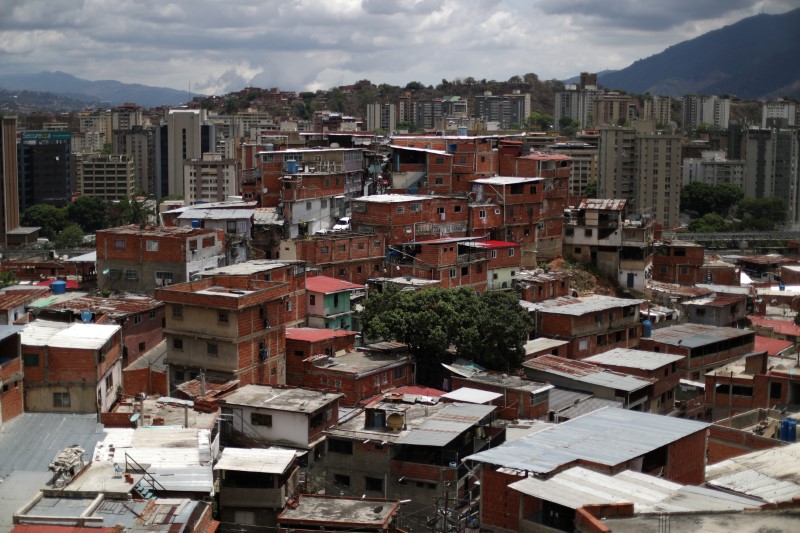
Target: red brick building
{"type": "Point", "coordinates": [358, 375]}
{"type": "Point", "coordinates": [539, 285]}
{"type": "Point", "coordinates": [469, 158]}
{"type": "Point", "coordinates": [71, 368]}
{"type": "Point", "coordinates": [591, 324]}
{"type": "Point", "coordinates": [302, 343]}
{"type": "Point", "coordinates": [352, 257]}
{"type": "Point", "coordinates": [703, 347]}
{"type": "Point", "coordinates": [230, 327]}
{"type": "Point", "coordinates": [421, 170]}
{"type": "Point", "coordinates": [662, 368]}
{"type": "Point", "coordinates": [140, 317]}
{"type": "Point", "coordinates": [608, 440]}
{"type": "Point", "coordinates": [519, 397]}
{"type": "Point", "coordinates": [11, 375]}
{"type": "Point", "coordinates": [678, 262]}
{"type": "Point", "coordinates": [455, 262]}
{"type": "Point", "coordinates": [147, 374]}
{"type": "Point", "coordinates": [403, 217]}
{"type": "Point", "coordinates": [140, 259]}
{"type": "Point", "coordinates": [754, 381]}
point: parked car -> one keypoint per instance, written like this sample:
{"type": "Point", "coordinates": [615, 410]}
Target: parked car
{"type": "Point", "coordinates": [342, 225]}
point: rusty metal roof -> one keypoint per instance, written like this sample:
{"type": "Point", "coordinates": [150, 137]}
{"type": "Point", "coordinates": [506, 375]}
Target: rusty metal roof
{"type": "Point", "coordinates": [577, 306]}
{"type": "Point", "coordinates": [116, 307]}
{"type": "Point", "coordinates": [603, 204]}
{"type": "Point", "coordinates": [15, 298]}
{"type": "Point", "coordinates": [587, 373]}
{"type": "Point", "coordinates": [695, 335]}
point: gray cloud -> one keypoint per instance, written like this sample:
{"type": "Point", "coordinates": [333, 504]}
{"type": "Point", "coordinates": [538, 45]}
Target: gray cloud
{"type": "Point", "coordinates": [310, 44]}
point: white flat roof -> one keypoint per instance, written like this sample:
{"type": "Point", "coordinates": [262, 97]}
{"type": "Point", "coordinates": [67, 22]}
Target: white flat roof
{"type": "Point", "coordinates": [634, 358]}
{"type": "Point", "coordinates": [68, 335]}
{"type": "Point", "coordinates": [268, 461]}
{"type": "Point", "coordinates": [470, 395]}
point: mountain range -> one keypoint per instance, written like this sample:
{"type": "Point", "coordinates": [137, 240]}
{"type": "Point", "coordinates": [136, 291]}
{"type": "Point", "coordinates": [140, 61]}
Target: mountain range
{"type": "Point", "coordinates": [103, 92]}
{"type": "Point", "coordinates": [757, 57]}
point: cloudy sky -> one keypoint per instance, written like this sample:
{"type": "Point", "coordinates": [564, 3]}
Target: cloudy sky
{"type": "Point", "coordinates": [216, 47]}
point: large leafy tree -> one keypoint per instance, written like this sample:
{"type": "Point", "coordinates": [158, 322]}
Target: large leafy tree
{"type": "Point", "coordinates": [489, 328]}
{"type": "Point", "coordinates": [89, 212]}
{"type": "Point", "coordinates": [50, 218]}
{"type": "Point", "coordinates": [761, 214]}
{"type": "Point", "coordinates": [70, 237]}
{"type": "Point", "coordinates": [704, 198]}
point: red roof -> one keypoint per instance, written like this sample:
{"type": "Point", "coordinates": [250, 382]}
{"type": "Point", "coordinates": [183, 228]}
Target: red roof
{"type": "Point", "coordinates": [316, 334]}
{"type": "Point", "coordinates": [781, 327]}
{"type": "Point", "coordinates": [327, 285]}
{"type": "Point", "coordinates": [14, 298]}
{"type": "Point", "coordinates": [71, 284]}
{"type": "Point", "coordinates": [497, 244]}
{"type": "Point", "coordinates": [771, 346]}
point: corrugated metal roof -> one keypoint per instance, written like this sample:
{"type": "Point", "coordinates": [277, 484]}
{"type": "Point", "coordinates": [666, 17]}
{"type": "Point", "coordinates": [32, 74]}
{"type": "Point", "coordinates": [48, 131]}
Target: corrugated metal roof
{"type": "Point", "coordinates": [586, 373]}
{"type": "Point", "coordinates": [268, 461]}
{"type": "Point", "coordinates": [773, 475]}
{"type": "Point", "coordinates": [316, 334]}
{"type": "Point", "coordinates": [607, 436]}
{"type": "Point", "coordinates": [542, 343]}
{"type": "Point", "coordinates": [587, 406]}
{"type": "Point", "coordinates": [91, 257]}
{"type": "Point", "coordinates": [327, 285]}
{"type": "Point", "coordinates": [633, 358]}
{"type": "Point", "coordinates": [559, 398]}
{"type": "Point", "coordinates": [117, 306]}
{"type": "Point", "coordinates": [603, 204]}
{"type": "Point", "coordinates": [68, 335]}
{"type": "Point", "coordinates": [216, 214]}
{"type": "Point", "coordinates": [506, 180]}
{"type": "Point", "coordinates": [469, 395]}
{"type": "Point", "coordinates": [445, 425]}
{"type": "Point", "coordinates": [576, 306]}
{"type": "Point", "coordinates": [579, 486]}
{"type": "Point", "coordinates": [695, 335]}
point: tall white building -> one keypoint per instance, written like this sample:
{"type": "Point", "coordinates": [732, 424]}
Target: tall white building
{"type": "Point", "coordinates": [778, 113]}
{"type": "Point", "coordinates": [713, 168]}
{"type": "Point", "coordinates": [708, 110]}
{"type": "Point", "coordinates": [184, 142]}
{"type": "Point", "coordinates": [211, 178]}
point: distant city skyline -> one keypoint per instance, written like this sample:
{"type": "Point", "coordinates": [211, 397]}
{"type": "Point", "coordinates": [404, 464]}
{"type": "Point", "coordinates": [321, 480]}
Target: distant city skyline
{"type": "Point", "coordinates": [214, 48]}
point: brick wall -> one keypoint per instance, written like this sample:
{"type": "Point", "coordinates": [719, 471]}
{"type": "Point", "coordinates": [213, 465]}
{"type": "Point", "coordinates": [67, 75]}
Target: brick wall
{"type": "Point", "coordinates": [144, 380]}
{"type": "Point", "coordinates": [500, 505]}
{"type": "Point", "coordinates": [11, 394]}
{"type": "Point", "coordinates": [686, 459]}
{"type": "Point", "coordinates": [725, 443]}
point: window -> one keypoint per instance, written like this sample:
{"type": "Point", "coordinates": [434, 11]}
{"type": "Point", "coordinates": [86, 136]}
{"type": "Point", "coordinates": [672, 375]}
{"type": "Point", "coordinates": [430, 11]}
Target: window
{"type": "Point", "coordinates": [324, 249]}
{"type": "Point", "coordinates": [576, 251]}
{"type": "Point", "coordinates": [137, 319]}
{"type": "Point", "coordinates": [457, 209]}
{"type": "Point", "coordinates": [164, 278]}
{"type": "Point", "coordinates": [376, 244]}
{"type": "Point", "coordinates": [510, 252]}
{"type": "Point", "coordinates": [177, 311]}
{"type": "Point", "coordinates": [61, 399]}
{"type": "Point", "coordinates": [152, 246]}
{"type": "Point", "coordinates": [131, 274]}
{"type": "Point", "coordinates": [482, 213]}
{"type": "Point", "coordinates": [399, 372]}
{"type": "Point", "coordinates": [684, 270]}
{"type": "Point", "coordinates": [193, 245]}
{"type": "Point", "coordinates": [152, 314]}
{"type": "Point", "coordinates": [345, 447]}
{"type": "Point", "coordinates": [775, 390]}
{"type": "Point", "coordinates": [341, 480]}
{"type": "Point", "coordinates": [260, 419]}
{"type": "Point", "coordinates": [416, 208]}
{"type": "Point", "coordinates": [177, 344]}
{"type": "Point", "coordinates": [30, 359]}
{"type": "Point", "coordinates": [583, 344]}
{"type": "Point", "coordinates": [212, 349]}
{"type": "Point", "coordinates": [464, 271]}
{"type": "Point", "coordinates": [312, 299]}
{"type": "Point", "coordinates": [452, 272]}
{"type": "Point", "coordinates": [400, 209]}
{"type": "Point", "coordinates": [222, 316]}
{"type": "Point", "coordinates": [119, 244]}
{"type": "Point", "coordinates": [373, 484]}
{"type": "Point", "coordinates": [342, 247]}
{"type": "Point", "coordinates": [141, 346]}
{"type": "Point", "coordinates": [588, 233]}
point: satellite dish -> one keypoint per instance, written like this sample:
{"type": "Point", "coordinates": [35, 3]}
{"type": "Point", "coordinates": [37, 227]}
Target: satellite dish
{"type": "Point", "coordinates": [106, 271]}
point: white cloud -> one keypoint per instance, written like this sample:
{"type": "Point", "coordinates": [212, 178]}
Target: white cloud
{"type": "Point", "coordinates": [313, 44]}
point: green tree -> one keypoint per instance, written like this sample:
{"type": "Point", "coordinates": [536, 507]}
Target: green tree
{"type": "Point", "coordinates": [709, 223]}
{"type": "Point", "coordinates": [704, 198]}
{"type": "Point", "coordinates": [761, 214]}
{"type": "Point", "coordinates": [70, 237]}
{"type": "Point", "coordinates": [50, 218]}
{"type": "Point", "coordinates": [567, 126]}
{"type": "Point", "coordinates": [7, 278]}
{"type": "Point", "coordinates": [590, 191]}
{"type": "Point", "coordinates": [90, 213]}
{"type": "Point", "coordinates": [539, 121]}
{"type": "Point", "coordinates": [488, 328]}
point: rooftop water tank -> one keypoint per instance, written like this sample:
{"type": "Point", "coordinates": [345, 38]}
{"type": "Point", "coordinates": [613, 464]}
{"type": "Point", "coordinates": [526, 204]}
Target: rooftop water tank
{"type": "Point", "coordinates": [59, 287]}
{"type": "Point", "coordinates": [195, 223]}
{"type": "Point", "coordinates": [647, 328]}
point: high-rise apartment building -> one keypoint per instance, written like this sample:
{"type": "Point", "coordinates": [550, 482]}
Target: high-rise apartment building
{"type": "Point", "coordinates": [713, 168]}
{"type": "Point", "coordinates": [612, 108]}
{"type": "Point", "coordinates": [9, 191]}
{"type": "Point", "coordinates": [188, 137]}
{"type": "Point", "coordinates": [139, 143]}
{"type": "Point", "coordinates": [778, 114]}
{"type": "Point", "coordinates": [643, 166]}
{"type": "Point", "coordinates": [507, 110]}
{"type": "Point", "coordinates": [710, 111]}
{"type": "Point", "coordinates": [772, 157]}
{"type": "Point", "coordinates": [658, 108]}
{"type": "Point", "coordinates": [211, 178]}
{"type": "Point", "coordinates": [111, 177]}
{"type": "Point", "coordinates": [382, 117]}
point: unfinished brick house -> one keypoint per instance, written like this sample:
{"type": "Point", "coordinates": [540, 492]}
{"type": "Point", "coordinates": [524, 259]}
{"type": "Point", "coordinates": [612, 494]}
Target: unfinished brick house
{"type": "Point", "coordinates": [71, 368]}
{"type": "Point", "coordinates": [541, 284]}
{"type": "Point", "coordinates": [455, 262]}
{"type": "Point", "coordinates": [302, 343]}
{"type": "Point", "coordinates": [403, 217]}
{"type": "Point", "coordinates": [348, 256]}
{"type": "Point", "coordinates": [140, 259]}
{"type": "Point", "coordinates": [11, 376]}
{"type": "Point", "coordinates": [228, 327]}
{"type": "Point", "coordinates": [591, 324]}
